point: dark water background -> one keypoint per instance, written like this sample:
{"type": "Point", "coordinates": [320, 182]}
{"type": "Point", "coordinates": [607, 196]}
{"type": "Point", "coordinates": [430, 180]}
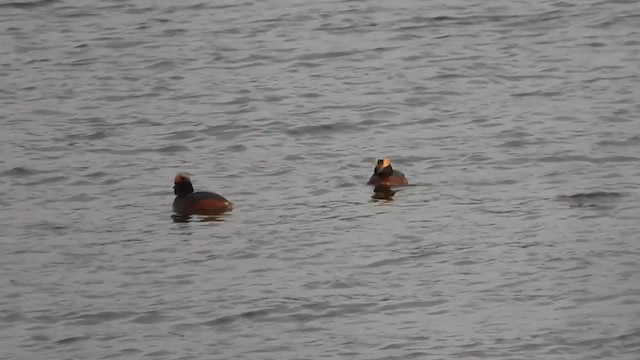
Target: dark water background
{"type": "Point", "coordinates": [498, 112]}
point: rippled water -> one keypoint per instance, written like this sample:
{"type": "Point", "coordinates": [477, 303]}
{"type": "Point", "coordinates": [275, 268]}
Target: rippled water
{"type": "Point", "coordinates": [516, 121]}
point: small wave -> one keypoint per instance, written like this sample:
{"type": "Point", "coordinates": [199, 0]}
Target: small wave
{"type": "Point", "coordinates": [33, 61]}
{"type": "Point", "coordinates": [228, 319]}
{"type": "Point", "coordinates": [591, 199]}
{"type": "Point", "coordinates": [426, 121]}
{"type": "Point", "coordinates": [537, 94]}
{"type": "Point", "coordinates": [48, 180]}
{"type": "Point", "coordinates": [71, 340]}
{"type": "Point", "coordinates": [133, 150]}
{"type": "Point", "coordinates": [310, 95]}
{"type": "Point", "coordinates": [592, 195]}
{"type": "Point", "coordinates": [180, 135]}
{"type": "Point", "coordinates": [18, 172]}
{"type": "Point", "coordinates": [11, 317]}
{"type": "Point", "coordinates": [28, 4]}
{"type": "Point", "coordinates": [515, 144]}
{"type": "Point", "coordinates": [82, 198]}
{"type": "Point", "coordinates": [634, 140]}
{"type": "Point", "coordinates": [325, 55]}
{"type": "Point", "coordinates": [415, 304]}
{"type": "Point", "coordinates": [322, 129]}
{"type": "Point", "coordinates": [88, 136]}
{"type": "Point", "coordinates": [101, 317]}
{"type": "Point", "coordinates": [163, 64]}
{"type": "Point", "coordinates": [172, 149]}
{"type": "Point", "coordinates": [237, 148]}
{"type": "Point", "coordinates": [574, 158]}
{"type": "Point", "coordinates": [151, 317]}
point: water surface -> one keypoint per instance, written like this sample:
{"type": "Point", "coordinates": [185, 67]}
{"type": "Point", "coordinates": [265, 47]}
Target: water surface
{"type": "Point", "coordinates": [516, 122]}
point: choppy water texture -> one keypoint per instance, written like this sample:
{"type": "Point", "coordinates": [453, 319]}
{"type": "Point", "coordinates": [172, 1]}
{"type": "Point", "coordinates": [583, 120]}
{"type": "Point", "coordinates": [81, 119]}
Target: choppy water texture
{"type": "Point", "coordinates": [517, 122]}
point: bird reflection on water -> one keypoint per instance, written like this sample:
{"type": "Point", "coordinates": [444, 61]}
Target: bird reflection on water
{"type": "Point", "coordinates": [177, 218]}
{"type": "Point", "coordinates": [383, 193]}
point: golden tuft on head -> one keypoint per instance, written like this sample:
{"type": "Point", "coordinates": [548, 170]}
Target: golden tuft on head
{"type": "Point", "coordinates": [181, 178]}
{"type": "Point", "coordinates": [382, 163]}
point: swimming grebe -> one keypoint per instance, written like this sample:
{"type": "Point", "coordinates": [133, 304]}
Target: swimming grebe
{"type": "Point", "coordinates": [188, 202]}
{"type": "Point", "coordinates": [385, 175]}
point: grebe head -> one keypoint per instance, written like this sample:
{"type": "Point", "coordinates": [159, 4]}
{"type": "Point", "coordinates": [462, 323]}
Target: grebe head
{"type": "Point", "coordinates": [182, 185]}
{"type": "Point", "coordinates": [383, 167]}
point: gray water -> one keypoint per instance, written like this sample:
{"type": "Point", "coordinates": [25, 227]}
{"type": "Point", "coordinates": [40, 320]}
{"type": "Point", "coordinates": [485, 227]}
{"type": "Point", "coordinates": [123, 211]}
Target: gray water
{"type": "Point", "coordinates": [517, 123]}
